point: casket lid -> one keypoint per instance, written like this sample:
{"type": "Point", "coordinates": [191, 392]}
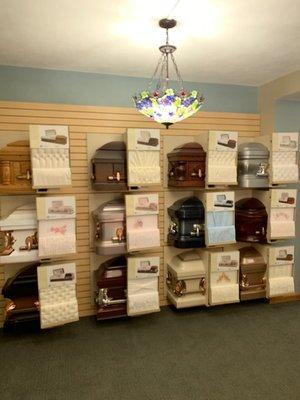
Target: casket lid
{"type": "Point", "coordinates": [187, 265]}
{"type": "Point", "coordinates": [16, 149]}
{"type": "Point", "coordinates": [249, 204]}
{"type": "Point", "coordinates": [252, 150]}
{"type": "Point", "coordinates": [188, 149]}
{"type": "Point", "coordinates": [249, 256]}
{"type": "Point", "coordinates": [112, 151]}
{"type": "Point", "coordinates": [189, 207]}
{"type": "Point", "coordinates": [112, 272]}
{"type": "Point", "coordinates": [23, 217]}
{"type": "Point", "coordinates": [116, 262]}
{"type": "Point", "coordinates": [113, 210]}
{"type": "Point", "coordinates": [23, 283]}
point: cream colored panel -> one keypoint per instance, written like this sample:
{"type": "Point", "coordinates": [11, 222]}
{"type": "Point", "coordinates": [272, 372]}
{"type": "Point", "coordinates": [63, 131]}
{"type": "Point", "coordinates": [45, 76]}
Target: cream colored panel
{"type": "Point", "coordinates": [223, 140]}
{"type": "Point", "coordinates": [281, 255]}
{"type": "Point", "coordinates": [143, 139]}
{"type": "Point", "coordinates": [285, 141]}
{"type": "Point", "coordinates": [219, 201]}
{"type": "Point", "coordinates": [283, 197]}
{"type": "Point", "coordinates": [224, 261]}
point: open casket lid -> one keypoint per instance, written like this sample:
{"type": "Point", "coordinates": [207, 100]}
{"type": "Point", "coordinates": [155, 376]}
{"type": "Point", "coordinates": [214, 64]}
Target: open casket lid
{"type": "Point", "coordinates": [251, 258]}
{"type": "Point", "coordinates": [113, 270]}
{"type": "Point", "coordinates": [189, 207]}
{"type": "Point", "coordinates": [18, 150]}
{"type": "Point", "coordinates": [23, 217]}
{"type": "Point", "coordinates": [187, 265]}
{"type": "Point", "coordinates": [250, 205]}
{"type": "Point", "coordinates": [113, 210]}
{"type": "Point", "coordinates": [23, 283]}
{"type": "Point", "coordinates": [116, 262]}
{"type": "Point", "coordinates": [252, 150]}
{"type": "Point", "coordinates": [112, 151]}
{"type": "Point", "coordinates": [192, 149]}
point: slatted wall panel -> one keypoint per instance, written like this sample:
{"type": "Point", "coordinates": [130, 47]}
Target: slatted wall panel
{"type": "Point", "coordinates": [16, 117]}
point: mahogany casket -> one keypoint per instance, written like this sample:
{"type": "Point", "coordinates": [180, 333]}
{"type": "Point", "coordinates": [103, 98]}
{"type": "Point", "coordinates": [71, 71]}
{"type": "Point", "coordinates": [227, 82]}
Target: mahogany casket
{"type": "Point", "coordinates": [111, 298]}
{"type": "Point", "coordinates": [187, 223]}
{"type": "Point", "coordinates": [15, 166]}
{"type": "Point", "coordinates": [252, 274]}
{"type": "Point", "coordinates": [251, 221]}
{"type": "Point", "coordinates": [21, 292]}
{"type": "Point", "coordinates": [187, 166]}
{"type": "Point", "coordinates": [253, 159]}
{"type": "Point", "coordinates": [109, 167]}
{"type": "Point", "coordinates": [110, 231]}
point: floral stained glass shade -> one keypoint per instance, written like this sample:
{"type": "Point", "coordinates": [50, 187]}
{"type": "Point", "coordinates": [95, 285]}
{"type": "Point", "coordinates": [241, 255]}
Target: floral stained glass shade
{"type": "Point", "coordinates": [169, 106]}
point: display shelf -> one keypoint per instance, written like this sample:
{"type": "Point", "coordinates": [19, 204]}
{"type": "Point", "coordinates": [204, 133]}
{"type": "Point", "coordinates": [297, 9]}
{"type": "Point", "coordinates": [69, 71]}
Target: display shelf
{"type": "Point", "coordinates": [107, 124]}
{"type": "Point", "coordinates": [17, 257]}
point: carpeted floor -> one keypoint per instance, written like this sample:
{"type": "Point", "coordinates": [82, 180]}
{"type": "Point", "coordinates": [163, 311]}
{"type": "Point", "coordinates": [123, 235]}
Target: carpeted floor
{"type": "Point", "coordinates": [238, 352]}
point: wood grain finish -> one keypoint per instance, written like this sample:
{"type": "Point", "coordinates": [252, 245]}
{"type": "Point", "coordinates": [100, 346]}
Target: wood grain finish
{"type": "Point", "coordinates": [284, 299]}
{"type": "Point", "coordinates": [15, 117]}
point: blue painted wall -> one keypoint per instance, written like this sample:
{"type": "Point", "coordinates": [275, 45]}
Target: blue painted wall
{"type": "Point", "coordinates": [52, 86]}
{"type": "Point", "coordinates": [287, 116]}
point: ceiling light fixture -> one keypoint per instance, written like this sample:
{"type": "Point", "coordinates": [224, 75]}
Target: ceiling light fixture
{"type": "Point", "coordinates": [162, 103]}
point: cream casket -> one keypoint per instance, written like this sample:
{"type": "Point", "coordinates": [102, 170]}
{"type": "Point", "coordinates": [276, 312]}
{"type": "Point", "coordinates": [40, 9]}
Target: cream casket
{"type": "Point", "coordinates": [186, 281]}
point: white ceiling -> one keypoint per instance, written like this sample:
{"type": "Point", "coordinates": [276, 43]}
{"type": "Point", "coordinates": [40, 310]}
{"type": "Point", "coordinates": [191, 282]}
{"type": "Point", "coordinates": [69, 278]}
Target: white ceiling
{"type": "Point", "coordinates": [224, 41]}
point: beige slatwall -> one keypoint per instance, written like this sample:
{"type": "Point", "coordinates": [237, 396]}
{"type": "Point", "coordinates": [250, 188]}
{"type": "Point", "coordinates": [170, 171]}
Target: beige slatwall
{"type": "Point", "coordinates": [16, 117]}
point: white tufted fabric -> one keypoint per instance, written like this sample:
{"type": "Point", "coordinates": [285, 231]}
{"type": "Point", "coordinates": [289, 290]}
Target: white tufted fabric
{"type": "Point", "coordinates": [224, 294]}
{"type": "Point", "coordinates": [143, 303]}
{"type": "Point", "coordinates": [50, 167]}
{"type": "Point", "coordinates": [56, 237]}
{"type": "Point", "coordinates": [280, 286]}
{"type": "Point", "coordinates": [142, 296]}
{"type": "Point", "coordinates": [280, 271]}
{"type": "Point", "coordinates": [221, 167]}
{"type": "Point", "coordinates": [284, 166]}
{"type": "Point", "coordinates": [58, 305]}
{"type": "Point", "coordinates": [143, 167]}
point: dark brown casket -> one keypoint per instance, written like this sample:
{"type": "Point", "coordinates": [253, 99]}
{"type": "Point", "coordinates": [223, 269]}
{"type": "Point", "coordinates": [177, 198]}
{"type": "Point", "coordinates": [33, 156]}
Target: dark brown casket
{"type": "Point", "coordinates": [252, 274]}
{"type": "Point", "coordinates": [111, 298]}
{"type": "Point", "coordinates": [21, 292]}
{"type": "Point", "coordinates": [187, 166]}
{"type": "Point", "coordinates": [251, 221]}
{"type": "Point", "coordinates": [109, 167]}
{"type": "Point", "coordinates": [15, 166]}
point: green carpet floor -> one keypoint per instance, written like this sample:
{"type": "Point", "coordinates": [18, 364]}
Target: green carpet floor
{"type": "Point", "coordinates": [238, 352]}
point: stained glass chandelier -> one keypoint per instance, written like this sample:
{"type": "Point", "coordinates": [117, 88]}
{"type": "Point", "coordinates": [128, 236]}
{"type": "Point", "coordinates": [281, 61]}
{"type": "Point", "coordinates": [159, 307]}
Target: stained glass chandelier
{"type": "Point", "coordinates": [160, 102]}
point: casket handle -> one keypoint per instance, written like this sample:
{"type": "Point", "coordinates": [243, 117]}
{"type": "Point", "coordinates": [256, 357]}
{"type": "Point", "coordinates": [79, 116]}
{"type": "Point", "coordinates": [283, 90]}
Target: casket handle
{"type": "Point", "coordinates": [115, 178]}
{"type": "Point", "coordinates": [173, 228]}
{"type": "Point", "coordinates": [202, 285]}
{"type": "Point", "coordinates": [105, 300]}
{"type": "Point", "coordinates": [169, 280]}
{"type": "Point", "coordinates": [25, 176]}
{"type": "Point", "coordinates": [245, 281]}
{"type": "Point", "coordinates": [197, 230]}
{"type": "Point", "coordinates": [199, 174]}
{"type": "Point", "coordinates": [262, 169]}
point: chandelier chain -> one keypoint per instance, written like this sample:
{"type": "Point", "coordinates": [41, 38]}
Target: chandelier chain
{"type": "Point", "coordinates": [173, 9]}
{"type": "Point", "coordinates": [155, 71]}
{"type": "Point", "coordinates": [177, 72]}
